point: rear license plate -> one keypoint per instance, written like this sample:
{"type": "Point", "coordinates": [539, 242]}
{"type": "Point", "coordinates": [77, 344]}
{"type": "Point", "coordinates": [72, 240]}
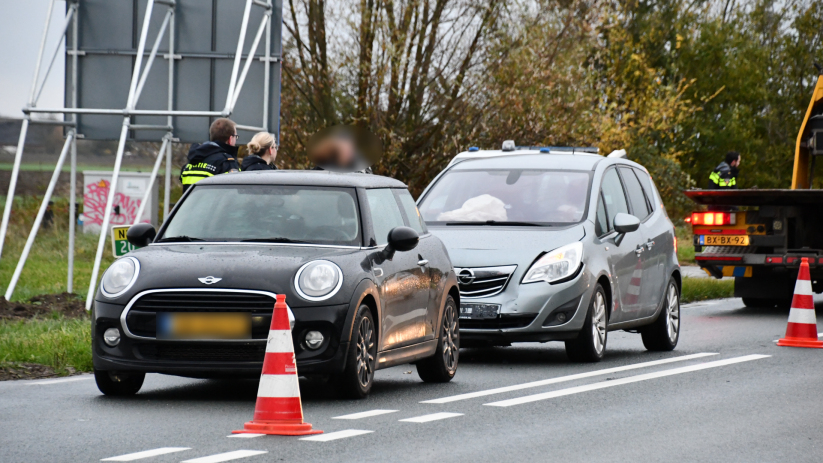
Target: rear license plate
{"type": "Point", "coordinates": [479, 311]}
{"type": "Point", "coordinates": [199, 325]}
{"type": "Point", "coordinates": [724, 240]}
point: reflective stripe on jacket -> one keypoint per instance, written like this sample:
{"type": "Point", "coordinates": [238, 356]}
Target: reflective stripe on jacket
{"type": "Point", "coordinates": [723, 177]}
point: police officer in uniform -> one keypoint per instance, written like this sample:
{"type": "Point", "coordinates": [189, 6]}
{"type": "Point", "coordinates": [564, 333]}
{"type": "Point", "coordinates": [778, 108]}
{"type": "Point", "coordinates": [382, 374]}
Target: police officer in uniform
{"type": "Point", "coordinates": [724, 176]}
{"type": "Point", "coordinates": [214, 157]}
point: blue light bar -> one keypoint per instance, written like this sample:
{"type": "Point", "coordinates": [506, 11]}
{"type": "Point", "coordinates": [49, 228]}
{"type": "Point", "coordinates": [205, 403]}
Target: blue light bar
{"type": "Point", "coordinates": [474, 148]}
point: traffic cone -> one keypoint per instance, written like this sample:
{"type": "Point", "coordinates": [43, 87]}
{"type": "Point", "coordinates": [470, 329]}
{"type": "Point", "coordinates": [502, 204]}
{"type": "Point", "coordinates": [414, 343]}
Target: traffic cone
{"type": "Point", "coordinates": [802, 328]}
{"type": "Point", "coordinates": [278, 410]}
{"type": "Point", "coordinates": [633, 291]}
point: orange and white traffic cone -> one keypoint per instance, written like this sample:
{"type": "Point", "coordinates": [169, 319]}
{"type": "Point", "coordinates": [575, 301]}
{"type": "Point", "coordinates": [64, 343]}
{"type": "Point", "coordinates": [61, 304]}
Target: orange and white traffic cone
{"type": "Point", "coordinates": [278, 410]}
{"type": "Point", "coordinates": [633, 296]}
{"type": "Point", "coordinates": [802, 328]}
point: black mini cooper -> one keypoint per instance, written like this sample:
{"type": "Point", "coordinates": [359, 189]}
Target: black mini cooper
{"type": "Point", "coordinates": [367, 285]}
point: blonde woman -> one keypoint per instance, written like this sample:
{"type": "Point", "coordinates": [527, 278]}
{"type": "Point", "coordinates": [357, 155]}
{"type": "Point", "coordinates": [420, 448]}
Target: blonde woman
{"type": "Point", "coordinates": [262, 153]}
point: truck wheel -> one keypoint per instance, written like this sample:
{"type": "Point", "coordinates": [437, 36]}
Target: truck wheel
{"type": "Point", "coordinates": [118, 384]}
{"type": "Point", "coordinates": [590, 344]}
{"type": "Point", "coordinates": [441, 367]}
{"type": "Point", "coordinates": [663, 334]}
{"type": "Point", "coordinates": [358, 377]}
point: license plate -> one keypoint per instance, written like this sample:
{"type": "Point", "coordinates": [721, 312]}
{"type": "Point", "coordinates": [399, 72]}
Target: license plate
{"type": "Point", "coordinates": [724, 240]}
{"type": "Point", "coordinates": [479, 311]}
{"type": "Point", "coordinates": [198, 325]}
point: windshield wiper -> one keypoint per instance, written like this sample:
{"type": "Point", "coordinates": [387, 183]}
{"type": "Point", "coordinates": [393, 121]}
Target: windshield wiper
{"type": "Point", "coordinates": [181, 238]}
{"type": "Point", "coordinates": [275, 239]}
{"type": "Point", "coordinates": [498, 223]}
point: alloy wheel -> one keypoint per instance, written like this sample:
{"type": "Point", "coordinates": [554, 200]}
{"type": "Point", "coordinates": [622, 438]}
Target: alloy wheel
{"type": "Point", "coordinates": [448, 337]}
{"type": "Point", "coordinates": [672, 313]}
{"type": "Point", "coordinates": [599, 322]}
{"type": "Point", "coordinates": [365, 358]}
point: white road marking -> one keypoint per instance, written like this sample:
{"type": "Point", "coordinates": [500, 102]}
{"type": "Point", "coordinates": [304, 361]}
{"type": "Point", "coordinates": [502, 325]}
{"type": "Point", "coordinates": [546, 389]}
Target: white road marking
{"type": "Point", "coordinates": [621, 381]}
{"type": "Point", "coordinates": [561, 379]}
{"type": "Point", "coordinates": [357, 416]}
{"type": "Point", "coordinates": [819, 336]}
{"type": "Point", "coordinates": [228, 456]}
{"type": "Point", "coordinates": [146, 454]}
{"type": "Point", "coordinates": [58, 381]}
{"type": "Point", "coordinates": [432, 417]}
{"type": "Point", "coordinates": [336, 435]}
{"type": "Point", "coordinates": [246, 435]}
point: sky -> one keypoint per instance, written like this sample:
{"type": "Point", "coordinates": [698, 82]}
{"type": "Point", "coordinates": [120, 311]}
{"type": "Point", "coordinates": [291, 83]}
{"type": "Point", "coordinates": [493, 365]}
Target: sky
{"type": "Point", "coordinates": [21, 28]}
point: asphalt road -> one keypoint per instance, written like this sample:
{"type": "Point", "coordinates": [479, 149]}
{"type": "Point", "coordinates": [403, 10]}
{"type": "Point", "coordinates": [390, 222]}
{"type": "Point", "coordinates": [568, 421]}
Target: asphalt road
{"type": "Point", "coordinates": [749, 400]}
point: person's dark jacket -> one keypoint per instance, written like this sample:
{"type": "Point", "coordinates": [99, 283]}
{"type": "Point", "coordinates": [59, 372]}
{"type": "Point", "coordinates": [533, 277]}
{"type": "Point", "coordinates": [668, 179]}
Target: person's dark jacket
{"type": "Point", "coordinates": [723, 177]}
{"type": "Point", "coordinates": [255, 162]}
{"type": "Point", "coordinates": [208, 159]}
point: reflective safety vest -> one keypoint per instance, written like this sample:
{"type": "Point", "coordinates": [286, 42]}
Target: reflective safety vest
{"type": "Point", "coordinates": [722, 177]}
{"type": "Point", "coordinates": [722, 182]}
{"type": "Point", "coordinates": [193, 173]}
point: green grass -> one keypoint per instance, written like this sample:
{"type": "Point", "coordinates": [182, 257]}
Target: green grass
{"type": "Point", "coordinates": [55, 341]}
{"type": "Point", "coordinates": [685, 246]}
{"type": "Point", "coordinates": [700, 289]}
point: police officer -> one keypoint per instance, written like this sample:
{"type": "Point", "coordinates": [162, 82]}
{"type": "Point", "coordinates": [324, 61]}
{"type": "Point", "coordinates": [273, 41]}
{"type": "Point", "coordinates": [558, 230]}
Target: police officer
{"type": "Point", "coordinates": [724, 176]}
{"type": "Point", "coordinates": [214, 157]}
{"type": "Point", "coordinates": [262, 153]}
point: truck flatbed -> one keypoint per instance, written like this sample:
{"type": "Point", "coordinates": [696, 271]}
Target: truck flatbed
{"type": "Point", "coordinates": [775, 197]}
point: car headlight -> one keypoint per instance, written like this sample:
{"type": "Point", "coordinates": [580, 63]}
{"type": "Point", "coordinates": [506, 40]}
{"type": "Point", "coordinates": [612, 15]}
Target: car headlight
{"type": "Point", "coordinates": [318, 280]}
{"type": "Point", "coordinates": [556, 265]}
{"type": "Point", "coordinates": [120, 276]}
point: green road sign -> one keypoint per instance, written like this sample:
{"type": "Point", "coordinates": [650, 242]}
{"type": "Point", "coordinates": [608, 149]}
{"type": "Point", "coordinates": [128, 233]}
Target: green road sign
{"type": "Point", "coordinates": [120, 245]}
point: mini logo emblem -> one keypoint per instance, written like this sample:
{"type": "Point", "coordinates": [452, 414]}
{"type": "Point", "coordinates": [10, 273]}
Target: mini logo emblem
{"type": "Point", "coordinates": [209, 280]}
{"type": "Point", "coordinates": [466, 276]}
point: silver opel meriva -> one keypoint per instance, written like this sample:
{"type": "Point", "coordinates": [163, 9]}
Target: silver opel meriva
{"type": "Point", "coordinates": [557, 247]}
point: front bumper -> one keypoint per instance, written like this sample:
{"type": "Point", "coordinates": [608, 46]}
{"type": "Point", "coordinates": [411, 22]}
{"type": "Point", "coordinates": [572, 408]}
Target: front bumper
{"type": "Point", "coordinates": [529, 313]}
{"type": "Point", "coordinates": [218, 358]}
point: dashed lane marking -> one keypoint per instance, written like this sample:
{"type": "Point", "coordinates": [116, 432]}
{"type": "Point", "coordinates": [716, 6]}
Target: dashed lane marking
{"type": "Point", "coordinates": [432, 417]}
{"type": "Point", "coordinates": [561, 379]}
{"type": "Point", "coordinates": [58, 381]}
{"type": "Point", "coordinates": [357, 416]}
{"type": "Point", "coordinates": [628, 380]}
{"type": "Point", "coordinates": [246, 435]}
{"type": "Point", "coordinates": [336, 435]}
{"type": "Point", "coordinates": [146, 454]}
{"type": "Point", "coordinates": [228, 456]}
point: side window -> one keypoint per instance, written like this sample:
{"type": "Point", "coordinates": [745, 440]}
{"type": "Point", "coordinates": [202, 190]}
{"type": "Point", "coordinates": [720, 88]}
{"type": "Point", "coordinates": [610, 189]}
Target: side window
{"type": "Point", "coordinates": [385, 214]}
{"type": "Point", "coordinates": [601, 225]}
{"type": "Point", "coordinates": [613, 196]}
{"type": "Point", "coordinates": [646, 183]}
{"type": "Point", "coordinates": [410, 208]}
{"type": "Point", "coordinates": [636, 196]}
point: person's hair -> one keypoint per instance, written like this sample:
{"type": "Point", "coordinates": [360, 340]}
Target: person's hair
{"type": "Point", "coordinates": [221, 130]}
{"type": "Point", "coordinates": [732, 156]}
{"type": "Point", "coordinates": [260, 142]}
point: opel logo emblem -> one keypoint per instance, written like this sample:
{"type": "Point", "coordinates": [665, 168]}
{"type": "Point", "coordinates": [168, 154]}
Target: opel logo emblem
{"type": "Point", "coordinates": [466, 276]}
{"type": "Point", "coordinates": [209, 280]}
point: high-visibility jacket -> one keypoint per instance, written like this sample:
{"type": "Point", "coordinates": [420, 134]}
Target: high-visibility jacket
{"type": "Point", "coordinates": [723, 177]}
{"type": "Point", "coordinates": [207, 160]}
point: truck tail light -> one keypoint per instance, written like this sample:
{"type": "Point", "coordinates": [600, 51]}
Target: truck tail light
{"type": "Point", "coordinates": [713, 218]}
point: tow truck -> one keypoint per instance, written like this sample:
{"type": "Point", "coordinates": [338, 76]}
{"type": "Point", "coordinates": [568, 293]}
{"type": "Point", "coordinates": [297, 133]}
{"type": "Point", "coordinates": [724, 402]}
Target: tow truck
{"type": "Point", "coordinates": [759, 236]}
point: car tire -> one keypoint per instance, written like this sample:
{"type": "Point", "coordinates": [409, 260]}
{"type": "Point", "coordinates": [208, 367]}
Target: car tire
{"type": "Point", "coordinates": [441, 367]}
{"type": "Point", "coordinates": [118, 384]}
{"type": "Point", "coordinates": [590, 344]}
{"type": "Point", "coordinates": [663, 334]}
{"type": "Point", "coordinates": [358, 376]}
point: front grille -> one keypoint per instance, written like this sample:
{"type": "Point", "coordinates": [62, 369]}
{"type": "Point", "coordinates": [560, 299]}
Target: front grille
{"type": "Point", "coordinates": [483, 281]}
{"type": "Point", "coordinates": [500, 323]}
{"type": "Point", "coordinates": [195, 352]}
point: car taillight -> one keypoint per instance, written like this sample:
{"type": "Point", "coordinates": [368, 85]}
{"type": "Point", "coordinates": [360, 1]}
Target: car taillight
{"type": "Point", "coordinates": [713, 218]}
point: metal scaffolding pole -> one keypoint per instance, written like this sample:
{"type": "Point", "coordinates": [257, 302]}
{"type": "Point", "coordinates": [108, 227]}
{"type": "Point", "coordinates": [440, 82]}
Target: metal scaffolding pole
{"type": "Point", "coordinates": [249, 59]}
{"type": "Point", "coordinates": [170, 120]}
{"type": "Point", "coordinates": [39, 219]}
{"type": "Point", "coordinates": [160, 156]}
{"type": "Point", "coordinates": [73, 171]}
{"type": "Point", "coordinates": [15, 170]}
{"type": "Point", "coordinates": [240, 42]}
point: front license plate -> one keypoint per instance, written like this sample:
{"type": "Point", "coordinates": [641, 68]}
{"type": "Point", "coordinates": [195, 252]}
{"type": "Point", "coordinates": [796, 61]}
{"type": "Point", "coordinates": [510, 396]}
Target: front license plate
{"type": "Point", "coordinates": [724, 240]}
{"type": "Point", "coordinates": [199, 325]}
{"type": "Point", "coordinates": [479, 311]}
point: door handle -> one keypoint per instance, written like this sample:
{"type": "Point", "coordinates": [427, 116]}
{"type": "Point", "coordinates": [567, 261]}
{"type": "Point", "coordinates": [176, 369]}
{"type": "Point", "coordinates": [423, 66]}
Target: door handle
{"type": "Point", "coordinates": [649, 244]}
{"type": "Point", "coordinates": [422, 262]}
{"type": "Point", "coordinates": [639, 249]}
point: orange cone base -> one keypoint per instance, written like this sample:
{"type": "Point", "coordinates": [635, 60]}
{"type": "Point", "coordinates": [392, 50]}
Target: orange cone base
{"type": "Point", "coordinates": [800, 342]}
{"type": "Point", "coordinates": [278, 428]}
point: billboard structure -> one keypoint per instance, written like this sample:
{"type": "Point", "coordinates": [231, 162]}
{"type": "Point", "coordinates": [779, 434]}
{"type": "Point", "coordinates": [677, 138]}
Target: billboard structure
{"type": "Point", "coordinates": [115, 90]}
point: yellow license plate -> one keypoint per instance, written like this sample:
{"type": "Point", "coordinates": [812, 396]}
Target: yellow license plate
{"type": "Point", "coordinates": [724, 240]}
{"type": "Point", "coordinates": [199, 325]}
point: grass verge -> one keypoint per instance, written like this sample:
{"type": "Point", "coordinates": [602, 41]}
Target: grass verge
{"type": "Point", "coordinates": [63, 344]}
{"type": "Point", "coordinates": [701, 289]}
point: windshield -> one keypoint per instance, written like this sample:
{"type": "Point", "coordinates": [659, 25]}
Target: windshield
{"type": "Point", "coordinates": [265, 213]}
{"type": "Point", "coordinates": [500, 196]}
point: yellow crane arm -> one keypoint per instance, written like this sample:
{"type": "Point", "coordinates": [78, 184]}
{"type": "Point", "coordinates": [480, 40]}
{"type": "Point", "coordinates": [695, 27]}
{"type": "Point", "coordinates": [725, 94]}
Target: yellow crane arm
{"type": "Point", "coordinates": [802, 158]}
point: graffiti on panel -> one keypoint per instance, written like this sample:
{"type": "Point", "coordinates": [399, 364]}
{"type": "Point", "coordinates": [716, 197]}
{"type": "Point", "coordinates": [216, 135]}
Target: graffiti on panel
{"type": "Point", "coordinates": [94, 205]}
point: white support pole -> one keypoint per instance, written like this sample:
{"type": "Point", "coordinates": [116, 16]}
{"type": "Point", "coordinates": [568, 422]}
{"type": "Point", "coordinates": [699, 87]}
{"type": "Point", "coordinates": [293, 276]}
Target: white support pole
{"type": "Point", "coordinates": [240, 42]}
{"type": "Point", "coordinates": [167, 195]}
{"type": "Point", "coordinates": [63, 30]}
{"type": "Point", "coordinates": [15, 170]}
{"type": "Point", "coordinates": [138, 62]}
{"type": "Point", "coordinates": [37, 221]}
{"type": "Point", "coordinates": [153, 53]}
{"type": "Point", "coordinates": [249, 59]}
{"type": "Point", "coordinates": [73, 180]}
{"type": "Point", "coordinates": [170, 120]}
{"type": "Point", "coordinates": [160, 155]}
{"type": "Point", "coordinates": [267, 73]}
{"type": "Point", "coordinates": [40, 54]}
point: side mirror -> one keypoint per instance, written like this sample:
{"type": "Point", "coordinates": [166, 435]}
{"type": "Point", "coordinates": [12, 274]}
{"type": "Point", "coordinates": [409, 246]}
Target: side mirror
{"type": "Point", "coordinates": [401, 239]}
{"type": "Point", "coordinates": [624, 223]}
{"type": "Point", "coordinates": [141, 234]}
